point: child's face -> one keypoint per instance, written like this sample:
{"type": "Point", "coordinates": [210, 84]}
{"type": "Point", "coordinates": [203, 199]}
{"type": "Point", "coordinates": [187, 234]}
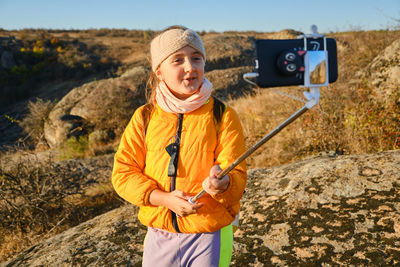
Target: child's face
{"type": "Point", "coordinates": [183, 72]}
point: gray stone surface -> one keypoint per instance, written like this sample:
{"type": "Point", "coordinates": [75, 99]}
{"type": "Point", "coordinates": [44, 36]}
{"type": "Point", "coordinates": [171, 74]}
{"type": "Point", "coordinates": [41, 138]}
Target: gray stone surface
{"type": "Point", "coordinates": [384, 73]}
{"type": "Point", "coordinates": [321, 211]}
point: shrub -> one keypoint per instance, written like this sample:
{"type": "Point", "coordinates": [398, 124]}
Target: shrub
{"type": "Point", "coordinates": [33, 123]}
{"type": "Point", "coordinates": [29, 195]}
{"type": "Point", "coordinates": [40, 198]}
{"type": "Point", "coordinates": [21, 71]}
{"type": "Point", "coordinates": [75, 147]}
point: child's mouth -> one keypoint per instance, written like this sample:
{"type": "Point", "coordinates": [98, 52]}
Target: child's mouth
{"type": "Point", "coordinates": [190, 80]}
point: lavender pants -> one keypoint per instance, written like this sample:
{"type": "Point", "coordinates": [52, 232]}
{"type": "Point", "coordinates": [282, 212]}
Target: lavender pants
{"type": "Point", "coordinates": [162, 248]}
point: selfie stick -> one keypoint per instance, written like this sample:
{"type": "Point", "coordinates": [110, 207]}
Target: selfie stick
{"type": "Point", "coordinates": [311, 103]}
{"type": "Point", "coordinates": [312, 97]}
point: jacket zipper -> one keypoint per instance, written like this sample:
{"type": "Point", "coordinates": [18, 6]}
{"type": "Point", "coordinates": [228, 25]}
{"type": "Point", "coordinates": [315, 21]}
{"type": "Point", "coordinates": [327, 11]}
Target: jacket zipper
{"type": "Point", "coordinates": [175, 167]}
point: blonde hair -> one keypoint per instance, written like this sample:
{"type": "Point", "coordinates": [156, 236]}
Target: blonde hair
{"type": "Point", "coordinates": [151, 85]}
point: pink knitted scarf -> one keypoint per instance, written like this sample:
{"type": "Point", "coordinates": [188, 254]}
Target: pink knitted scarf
{"type": "Point", "coordinates": [170, 103]}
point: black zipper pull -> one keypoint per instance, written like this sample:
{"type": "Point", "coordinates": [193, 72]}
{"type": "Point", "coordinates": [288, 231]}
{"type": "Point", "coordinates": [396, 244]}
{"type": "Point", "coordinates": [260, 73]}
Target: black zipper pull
{"type": "Point", "coordinates": [172, 150]}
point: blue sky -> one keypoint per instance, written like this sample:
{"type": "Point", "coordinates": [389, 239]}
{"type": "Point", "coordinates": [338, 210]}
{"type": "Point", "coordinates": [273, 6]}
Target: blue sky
{"type": "Point", "coordinates": [257, 15]}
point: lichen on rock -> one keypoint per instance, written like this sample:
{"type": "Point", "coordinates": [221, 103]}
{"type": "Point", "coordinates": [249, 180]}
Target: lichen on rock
{"type": "Point", "coordinates": [321, 210]}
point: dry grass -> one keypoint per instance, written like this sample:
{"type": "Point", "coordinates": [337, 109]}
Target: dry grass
{"type": "Point", "coordinates": [262, 113]}
{"type": "Point", "coordinates": [40, 198]}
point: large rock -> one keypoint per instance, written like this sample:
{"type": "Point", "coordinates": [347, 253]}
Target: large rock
{"type": "Point", "coordinates": [113, 239]}
{"type": "Point", "coordinates": [384, 73]}
{"type": "Point", "coordinates": [96, 104]}
{"type": "Point", "coordinates": [323, 211]}
{"type": "Point", "coordinates": [329, 211]}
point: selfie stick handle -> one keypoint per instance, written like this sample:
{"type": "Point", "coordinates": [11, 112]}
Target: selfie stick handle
{"type": "Point", "coordinates": [313, 101]}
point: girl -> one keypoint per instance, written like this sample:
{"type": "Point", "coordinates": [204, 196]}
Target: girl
{"type": "Point", "coordinates": [174, 147]}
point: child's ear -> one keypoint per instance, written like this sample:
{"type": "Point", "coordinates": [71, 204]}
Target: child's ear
{"type": "Point", "coordinates": [158, 74]}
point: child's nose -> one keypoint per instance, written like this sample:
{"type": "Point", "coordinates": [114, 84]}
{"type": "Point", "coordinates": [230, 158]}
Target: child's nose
{"type": "Point", "coordinates": [189, 65]}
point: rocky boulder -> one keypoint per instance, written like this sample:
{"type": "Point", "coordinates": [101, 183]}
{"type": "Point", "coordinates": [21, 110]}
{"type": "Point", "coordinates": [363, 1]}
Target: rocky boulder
{"type": "Point", "coordinates": [104, 104]}
{"type": "Point", "coordinates": [321, 211]}
{"type": "Point", "coordinates": [384, 72]}
{"type": "Point", "coordinates": [113, 239]}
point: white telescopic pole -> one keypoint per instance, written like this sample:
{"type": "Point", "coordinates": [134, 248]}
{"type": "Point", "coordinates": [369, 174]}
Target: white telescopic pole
{"type": "Point", "coordinates": [313, 101]}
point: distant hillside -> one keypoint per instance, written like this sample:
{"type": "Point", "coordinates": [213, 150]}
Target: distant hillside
{"type": "Point", "coordinates": [50, 64]}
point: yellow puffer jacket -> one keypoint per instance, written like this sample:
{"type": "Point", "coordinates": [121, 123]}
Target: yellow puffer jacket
{"type": "Point", "coordinates": [141, 165]}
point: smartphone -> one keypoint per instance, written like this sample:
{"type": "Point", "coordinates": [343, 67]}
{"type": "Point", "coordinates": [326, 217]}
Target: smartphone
{"type": "Point", "coordinates": [281, 62]}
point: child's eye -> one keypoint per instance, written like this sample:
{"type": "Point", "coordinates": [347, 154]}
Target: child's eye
{"type": "Point", "coordinates": [177, 60]}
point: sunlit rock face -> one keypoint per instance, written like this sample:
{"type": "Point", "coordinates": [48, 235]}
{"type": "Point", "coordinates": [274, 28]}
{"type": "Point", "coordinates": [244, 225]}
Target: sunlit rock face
{"type": "Point", "coordinates": [334, 210]}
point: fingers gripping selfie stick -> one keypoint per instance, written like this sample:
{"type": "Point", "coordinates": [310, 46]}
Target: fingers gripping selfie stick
{"type": "Point", "coordinates": [316, 75]}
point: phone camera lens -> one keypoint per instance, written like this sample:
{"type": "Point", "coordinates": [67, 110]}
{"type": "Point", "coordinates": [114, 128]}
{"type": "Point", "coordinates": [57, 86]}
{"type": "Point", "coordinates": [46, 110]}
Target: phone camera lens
{"type": "Point", "coordinates": [291, 67]}
{"type": "Point", "coordinates": [290, 56]}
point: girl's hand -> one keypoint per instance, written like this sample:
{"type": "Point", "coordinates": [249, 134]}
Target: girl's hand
{"type": "Point", "coordinates": [214, 186]}
{"type": "Point", "coordinates": [177, 201]}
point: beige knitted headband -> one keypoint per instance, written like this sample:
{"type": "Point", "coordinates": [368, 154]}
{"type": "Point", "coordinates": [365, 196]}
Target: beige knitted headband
{"type": "Point", "coordinates": [171, 41]}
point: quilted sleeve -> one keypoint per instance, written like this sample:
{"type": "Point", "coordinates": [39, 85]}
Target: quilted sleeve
{"type": "Point", "coordinates": [128, 178]}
